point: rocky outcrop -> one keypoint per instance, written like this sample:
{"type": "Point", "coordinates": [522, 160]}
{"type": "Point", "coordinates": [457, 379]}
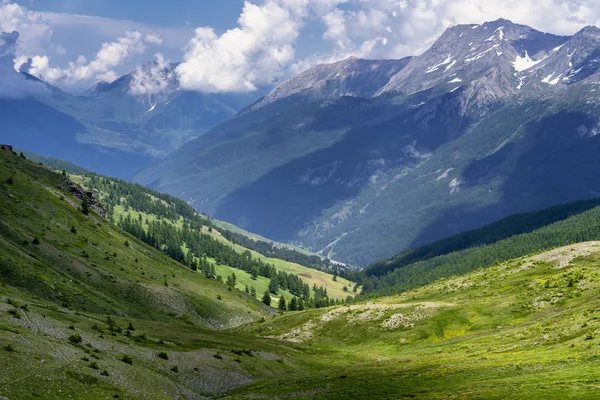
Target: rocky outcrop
{"type": "Point", "coordinates": [81, 193]}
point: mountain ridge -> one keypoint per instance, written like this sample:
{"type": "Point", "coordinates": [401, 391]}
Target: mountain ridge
{"type": "Point", "coordinates": [359, 179]}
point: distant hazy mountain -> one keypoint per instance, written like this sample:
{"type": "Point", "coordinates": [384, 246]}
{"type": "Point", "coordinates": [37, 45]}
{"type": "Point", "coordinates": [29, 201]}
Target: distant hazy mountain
{"type": "Point", "coordinates": [362, 159]}
{"type": "Point", "coordinates": [110, 129]}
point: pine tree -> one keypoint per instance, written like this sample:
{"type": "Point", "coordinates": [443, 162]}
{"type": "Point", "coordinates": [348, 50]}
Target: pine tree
{"type": "Point", "coordinates": [253, 291]}
{"type": "Point", "coordinates": [231, 280]}
{"type": "Point", "coordinates": [266, 298]}
{"type": "Point", "coordinates": [247, 289]}
{"type": "Point", "coordinates": [282, 306]}
{"type": "Point", "coordinates": [274, 285]}
{"type": "Point", "coordinates": [85, 206]}
{"type": "Point", "coordinates": [293, 304]}
{"type": "Point", "coordinates": [300, 305]}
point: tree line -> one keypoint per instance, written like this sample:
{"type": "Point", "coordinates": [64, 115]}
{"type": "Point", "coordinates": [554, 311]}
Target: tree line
{"type": "Point", "coordinates": [541, 231]}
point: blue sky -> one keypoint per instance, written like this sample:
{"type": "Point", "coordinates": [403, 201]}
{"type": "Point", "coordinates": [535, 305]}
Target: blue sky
{"type": "Point", "coordinates": [237, 46]}
{"type": "Point", "coordinates": [220, 14]}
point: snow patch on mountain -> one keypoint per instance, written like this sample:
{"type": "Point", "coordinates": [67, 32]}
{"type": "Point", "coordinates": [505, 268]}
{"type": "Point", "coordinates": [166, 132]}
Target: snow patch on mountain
{"type": "Point", "coordinates": [434, 68]}
{"type": "Point", "coordinates": [524, 63]}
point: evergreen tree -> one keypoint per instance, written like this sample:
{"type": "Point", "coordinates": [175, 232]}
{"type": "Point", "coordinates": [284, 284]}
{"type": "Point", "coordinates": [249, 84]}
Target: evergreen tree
{"type": "Point", "coordinates": [293, 304]}
{"type": "Point", "coordinates": [247, 289]}
{"type": "Point", "coordinates": [266, 298]}
{"type": "Point", "coordinates": [282, 306]}
{"type": "Point", "coordinates": [253, 291]}
{"type": "Point", "coordinates": [85, 206]}
{"type": "Point", "coordinates": [274, 285]}
{"type": "Point", "coordinates": [231, 280]}
{"type": "Point", "coordinates": [300, 305]}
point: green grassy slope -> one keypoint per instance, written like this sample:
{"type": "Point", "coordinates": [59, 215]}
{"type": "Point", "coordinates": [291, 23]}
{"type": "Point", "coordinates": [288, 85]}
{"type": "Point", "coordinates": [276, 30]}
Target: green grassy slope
{"type": "Point", "coordinates": [128, 206]}
{"type": "Point", "coordinates": [489, 234]}
{"type": "Point", "coordinates": [95, 269]}
{"type": "Point", "coordinates": [78, 322]}
{"type": "Point", "coordinates": [513, 237]}
{"type": "Point", "coordinates": [527, 328]}
{"type": "Point", "coordinates": [77, 294]}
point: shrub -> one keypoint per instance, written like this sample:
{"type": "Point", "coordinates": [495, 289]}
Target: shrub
{"type": "Point", "coordinates": [163, 355]}
{"type": "Point", "coordinates": [36, 240]}
{"type": "Point", "coordinates": [218, 355]}
{"type": "Point", "coordinates": [15, 313]}
{"type": "Point", "coordinates": [93, 365]}
{"type": "Point", "coordinates": [104, 373]}
{"type": "Point", "coordinates": [10, 180]}
{"type": "Point", "coordinates": [126, 359]}
{"type": "Point", "coordinates": [175, 368]}
{"type": "Point", "coordinates": [9, 348]}
{"type": "Point", "coordinates": [73, 229]}
{"type": "Point", "coordinates": [75, 338]}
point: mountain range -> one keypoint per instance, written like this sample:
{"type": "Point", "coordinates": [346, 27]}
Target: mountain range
{"type": "Point", "coordinates": [363, 159]}
{"type": "Point", "coordinates": [359, 159]}
{"type": "Point", "coordinates": [113, 128]}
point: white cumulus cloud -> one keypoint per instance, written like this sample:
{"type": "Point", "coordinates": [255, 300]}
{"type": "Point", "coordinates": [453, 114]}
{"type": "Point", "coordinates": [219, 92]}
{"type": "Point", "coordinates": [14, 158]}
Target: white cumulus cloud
{"type": "Point", "coordinates": [101, 67]}
{"type": "Point", "coordinates": [262, 49]}
{"type": "Point", "coordinates": [254, 53]}
{"type": "Point", "coordinates": [398, 28]}
{"type": "Point", "coordinates": [152, 78]}
{"type": "Point", "coordinates": [12, 83]}
{"type": "Point", "coordinates": [34, 31]}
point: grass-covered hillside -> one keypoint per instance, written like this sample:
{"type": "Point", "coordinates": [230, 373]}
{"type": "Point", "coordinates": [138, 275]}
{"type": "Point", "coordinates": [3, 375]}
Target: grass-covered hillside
{"type": "Point", "coordinates": [88, 311]}
{"type": "Point", "coordinates": [53, 250]}
{"type": "Point", "coordinates": [524, 329]}
{"type": "Point", "coordinates": [509, 238]}
{"type": "Point", "coordinates": [202, 244]}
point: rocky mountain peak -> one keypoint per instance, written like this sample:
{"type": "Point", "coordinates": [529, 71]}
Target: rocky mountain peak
{"type": "Point", "coordinates": [589, 30]}
{"type": "Point", "coordinates": [500, 56]}
{"type": "Point", "coordinates": [352, 76]}
{"type": "Point", "coordinates": [575, 60]}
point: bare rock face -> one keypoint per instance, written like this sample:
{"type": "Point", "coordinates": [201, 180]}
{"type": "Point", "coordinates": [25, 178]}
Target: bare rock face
{"type": "Point", "coordinates": [353, 77]}
{"type": "Point", "coordinates": [81, 193]}
{"type": "Point", "coordinates": [487, 61]}
{"type": "Point", "coordinates": [576, 60]}
{"type": "Point", "coordinates": [489, 56]}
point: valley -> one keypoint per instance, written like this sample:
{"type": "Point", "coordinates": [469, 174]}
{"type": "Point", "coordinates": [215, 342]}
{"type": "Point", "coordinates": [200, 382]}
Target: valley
{"type": "Point", "coordinates": [89, 311]}
{"type": "Point", "coordinates": [361, 173]}
{"type": "Point", "coordinates": [272, 217]}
